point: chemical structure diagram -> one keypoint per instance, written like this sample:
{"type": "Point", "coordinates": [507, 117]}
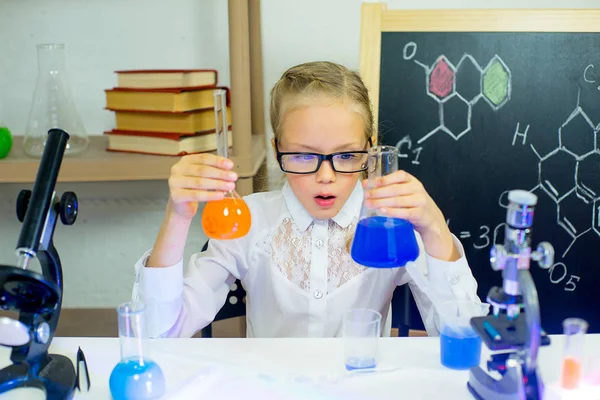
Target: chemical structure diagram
{"type": "Point", "coordinates": [453, 89]}
{"type": "Point", "coordinates": [569, 176]}
{"type": "Point", "coordinates": [578, 157]}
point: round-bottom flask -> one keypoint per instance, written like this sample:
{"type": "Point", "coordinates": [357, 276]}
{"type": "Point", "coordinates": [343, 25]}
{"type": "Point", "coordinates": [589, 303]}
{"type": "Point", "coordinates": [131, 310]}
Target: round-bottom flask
{"type": "Point", "coordinates": [228, 218]}
{"type": "Point", "coordinates": [136, 376]}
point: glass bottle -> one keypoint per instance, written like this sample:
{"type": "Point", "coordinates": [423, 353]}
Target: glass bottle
{"type": "Point", "coordinates": [136, 376]}
{"type": "Point", "coordinates": [228, 218]}
{"type": "Point", "coordinates": [381, 241]}
{"type": "Point", "coordinates": [52, 105]}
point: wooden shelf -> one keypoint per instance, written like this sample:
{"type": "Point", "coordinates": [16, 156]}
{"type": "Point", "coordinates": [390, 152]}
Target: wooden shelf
{"type": "Point", "coordinates": [249, 146]}
{"type": "Point", "coordinates": [99, 165]}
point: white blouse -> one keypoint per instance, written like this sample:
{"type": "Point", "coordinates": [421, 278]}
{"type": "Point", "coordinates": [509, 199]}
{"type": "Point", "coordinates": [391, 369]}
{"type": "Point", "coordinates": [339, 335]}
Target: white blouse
{"type": "Point", "coordinates": [298, 276]}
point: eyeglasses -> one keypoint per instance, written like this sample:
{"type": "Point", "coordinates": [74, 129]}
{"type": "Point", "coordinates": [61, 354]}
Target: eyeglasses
{"type": "Point", "coordinates": [308, 163]}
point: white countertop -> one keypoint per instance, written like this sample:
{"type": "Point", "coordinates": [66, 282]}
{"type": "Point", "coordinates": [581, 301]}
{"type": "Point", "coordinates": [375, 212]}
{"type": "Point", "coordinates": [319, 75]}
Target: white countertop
{"type": "Point", "coordinates": [199, 364]}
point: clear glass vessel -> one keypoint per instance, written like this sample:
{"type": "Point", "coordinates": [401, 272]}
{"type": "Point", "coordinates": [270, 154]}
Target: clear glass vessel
{"type": "Point", "coordinates": [52, 105]}
{"type": "Point", "coordinates": [228, 218]}
{"type": "Point", "coordinates": [381, 241]}
{"type": "Point", "coordinates": [136, 376]}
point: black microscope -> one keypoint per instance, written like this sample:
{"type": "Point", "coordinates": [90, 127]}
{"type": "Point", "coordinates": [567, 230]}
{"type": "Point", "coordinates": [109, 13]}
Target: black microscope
{"type": "Point", "coordinates": [38, 297]}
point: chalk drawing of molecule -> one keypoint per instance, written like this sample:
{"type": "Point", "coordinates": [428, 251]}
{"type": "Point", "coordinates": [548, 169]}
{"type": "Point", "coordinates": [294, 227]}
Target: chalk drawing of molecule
{"type": "Point", "coordinates": [578, 158]}
{"type": "Point", "coordinates": [451, 86]}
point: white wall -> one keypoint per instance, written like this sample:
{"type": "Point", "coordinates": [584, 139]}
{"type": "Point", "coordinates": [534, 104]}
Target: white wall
{"type": "Point", "coordinates": [119, 221]}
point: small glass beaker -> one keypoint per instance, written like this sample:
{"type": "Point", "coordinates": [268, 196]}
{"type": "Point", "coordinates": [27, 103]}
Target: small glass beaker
{"type": "Point", "coordinates": [381, 241]}
{"type": "Point", "coordinates": [361, 329]}
{"type": "Point", "coordinates": [52, 105]}
{"type": "Point", "coordinates": [574, 330]}
{"type": "Point", "coordinates": [136, 376]}
{"type": "Point", "coordinates": [228, 218]}
{"type": "Point", "coordinates": [460, 345]}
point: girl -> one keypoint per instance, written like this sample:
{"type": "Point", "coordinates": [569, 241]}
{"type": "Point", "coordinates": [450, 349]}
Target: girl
{"type": "Point", "coordinates": [294, 263]}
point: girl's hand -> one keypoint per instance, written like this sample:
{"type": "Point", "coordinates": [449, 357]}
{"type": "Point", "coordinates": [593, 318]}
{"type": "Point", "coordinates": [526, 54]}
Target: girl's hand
{"type": "Point", "coordinates": [401, 195]}
{"type": "Point", "coordinates": [199, 177]}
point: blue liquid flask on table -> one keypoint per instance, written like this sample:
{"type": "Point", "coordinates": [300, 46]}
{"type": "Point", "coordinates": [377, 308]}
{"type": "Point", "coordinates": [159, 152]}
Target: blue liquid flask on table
{"type": "Point", "coordinates": [381, 241]}
{"type": "Point", "coordinates": [136, 376]}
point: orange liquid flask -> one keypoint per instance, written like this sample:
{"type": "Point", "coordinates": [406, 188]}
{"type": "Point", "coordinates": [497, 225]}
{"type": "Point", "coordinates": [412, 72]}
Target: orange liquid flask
{"type": "Point", "coordinates": [230, 217]}
{"type": "Point", "coordinates": [226, 219]}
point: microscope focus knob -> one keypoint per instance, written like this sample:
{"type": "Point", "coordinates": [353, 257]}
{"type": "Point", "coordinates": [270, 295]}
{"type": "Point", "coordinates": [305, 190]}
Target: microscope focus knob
{"type": "Point", "coordinates": [544, 255]}
{"type": "Point", "coordinates": [22, 204]}
{"type": "Point", "coordinates": [68, 208]}
{"type": "Point", "coordinates": [498, 257]}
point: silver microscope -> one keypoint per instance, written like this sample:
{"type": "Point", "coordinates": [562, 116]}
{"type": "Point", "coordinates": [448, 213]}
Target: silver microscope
{"type": "Point", "coordinates": [513, 330]}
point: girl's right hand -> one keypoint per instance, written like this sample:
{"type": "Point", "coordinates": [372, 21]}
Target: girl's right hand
{"type": "Point", "coordinates": [199, 177]}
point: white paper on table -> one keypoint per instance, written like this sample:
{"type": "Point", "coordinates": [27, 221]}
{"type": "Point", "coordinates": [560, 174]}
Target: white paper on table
{"type": "Point", "coordinates": [226, 381]}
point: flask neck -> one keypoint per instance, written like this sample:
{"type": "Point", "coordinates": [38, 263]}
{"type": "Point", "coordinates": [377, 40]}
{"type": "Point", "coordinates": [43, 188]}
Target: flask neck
{"type": "Point", "coordinates": [133, 348]}
{"type": "Point", "coordinates": [51, 58]}
{"type": "Point", "coordinates": [382, 161]}
{"type": "Point", "coordinates": [132, 331]}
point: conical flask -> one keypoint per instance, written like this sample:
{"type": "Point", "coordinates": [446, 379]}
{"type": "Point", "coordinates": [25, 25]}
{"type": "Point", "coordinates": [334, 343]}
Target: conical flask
{"type": "Point", "coordinates": [381, 241]}
{"type": "Point", "coordinates": [136, 376]}
{"type": "Point", "coordinates": [228, 218]}
{"type": "Point", "coordinates": [52, 105]}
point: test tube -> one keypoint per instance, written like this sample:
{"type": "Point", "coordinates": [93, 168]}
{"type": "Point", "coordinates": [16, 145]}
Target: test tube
{"type": "Point", "coordinates": [221, 126]}
{"type": "Point", "coordinates": [574, 330]}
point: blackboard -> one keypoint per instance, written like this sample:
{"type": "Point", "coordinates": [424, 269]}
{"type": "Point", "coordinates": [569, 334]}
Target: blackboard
{"type": "Point", "coordinates": [476, 114]}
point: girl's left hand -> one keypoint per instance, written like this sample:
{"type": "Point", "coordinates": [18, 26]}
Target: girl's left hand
{"type": "Point", "coordinates": [401, 195]}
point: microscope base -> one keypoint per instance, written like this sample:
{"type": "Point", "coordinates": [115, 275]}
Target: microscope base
{"type": "Point", "coordinates": [512, 385]}
{"type": "Point", "coordinates": [56, 378]}
{"type": "Point", "coordinates": [484, 387]}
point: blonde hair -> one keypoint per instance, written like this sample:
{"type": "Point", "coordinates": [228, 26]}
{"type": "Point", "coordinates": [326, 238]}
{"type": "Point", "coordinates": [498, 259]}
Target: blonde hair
{"type": "Point", "coordinates": [300, 85]}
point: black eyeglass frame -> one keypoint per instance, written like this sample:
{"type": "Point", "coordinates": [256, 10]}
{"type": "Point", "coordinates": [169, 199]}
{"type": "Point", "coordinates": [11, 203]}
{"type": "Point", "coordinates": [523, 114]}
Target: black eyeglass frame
{"type": "Point", "coordinates": [321, 158]}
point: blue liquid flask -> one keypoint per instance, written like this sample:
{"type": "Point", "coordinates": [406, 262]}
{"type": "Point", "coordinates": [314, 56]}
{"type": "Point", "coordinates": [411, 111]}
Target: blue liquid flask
{"type": "Point", "coordinates": [380, 241]}
{"type": "Point", "coordinates": [136, 376]}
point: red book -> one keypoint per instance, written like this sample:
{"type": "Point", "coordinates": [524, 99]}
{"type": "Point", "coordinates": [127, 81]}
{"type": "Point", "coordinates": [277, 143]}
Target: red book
{"type": "Point", "coordinates": [166, 78]}
{"type": "Point", "coordinates": [163, 143]}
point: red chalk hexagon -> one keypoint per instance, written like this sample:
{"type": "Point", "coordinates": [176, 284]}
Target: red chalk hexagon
{"type": "Point", "coordinates": [441, 79]}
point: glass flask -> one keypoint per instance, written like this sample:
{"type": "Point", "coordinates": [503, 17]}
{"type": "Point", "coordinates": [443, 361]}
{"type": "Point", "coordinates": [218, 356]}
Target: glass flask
{"type": "Point", "coordinates": [228, 218]}
{"type": "Point", "coordinates": [6, 140]}
{"type": "Point", "coordinates": [52, 105]}
{"type": "Point", "coordinates": [136, 376]}
{"type": "Point", "coordinates": [381, 241]}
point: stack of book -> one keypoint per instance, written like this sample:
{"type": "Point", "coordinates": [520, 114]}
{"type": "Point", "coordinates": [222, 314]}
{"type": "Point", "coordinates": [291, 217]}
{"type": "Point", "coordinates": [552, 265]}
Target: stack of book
{"type": "Point", "coordinates": [166, 112]}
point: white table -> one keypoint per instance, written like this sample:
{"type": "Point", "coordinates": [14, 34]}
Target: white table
{"type": "Point", "coordinates": [421, 375]}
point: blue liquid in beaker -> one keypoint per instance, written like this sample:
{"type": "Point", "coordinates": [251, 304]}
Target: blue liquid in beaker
{"type": "Point", "coordinates": [383, 242]}
{"type": "Point", "coordinates": [460, 350]}
{"type": "Point", "coordinates": [360, 363]}
{"type": "Point", "coordinates": [137, 379]}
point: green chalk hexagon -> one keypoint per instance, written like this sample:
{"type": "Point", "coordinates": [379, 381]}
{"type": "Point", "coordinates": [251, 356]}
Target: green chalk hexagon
{"type": "Point", "coordinates": [496, 83]}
